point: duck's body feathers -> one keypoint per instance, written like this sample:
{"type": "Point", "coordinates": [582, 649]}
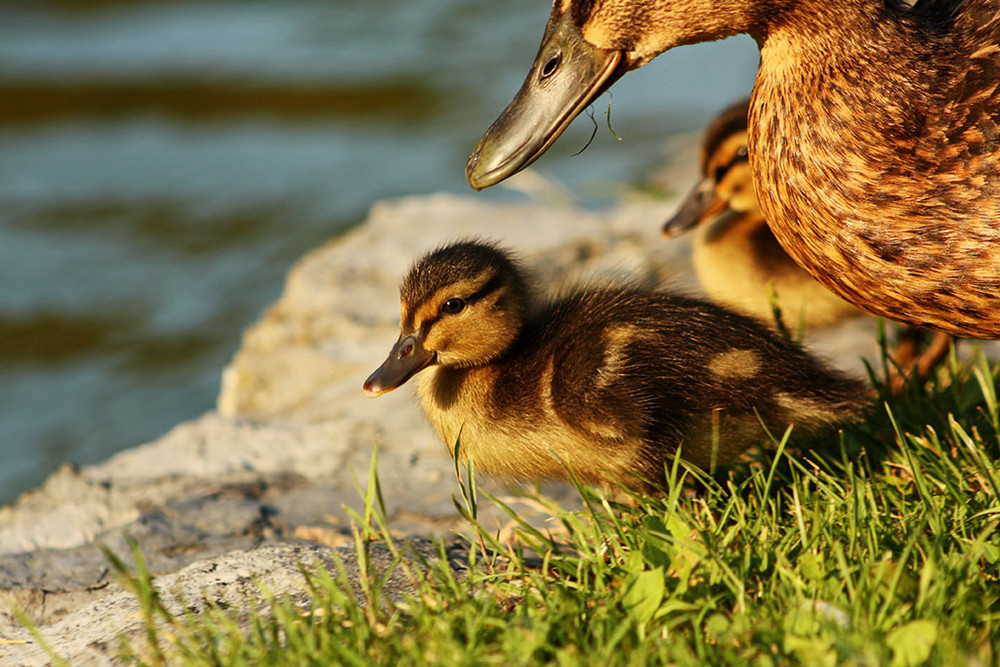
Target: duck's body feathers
{"type": "Point", "coordinates": [926, 239]}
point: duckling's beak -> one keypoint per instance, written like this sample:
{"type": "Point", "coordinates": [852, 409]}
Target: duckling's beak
{"type": "Point", "coordinates": [406, 358]}
{"type": "Point", "coordinates": [567, 75]}
{"type": "Point", "coordinates": [702, 204]}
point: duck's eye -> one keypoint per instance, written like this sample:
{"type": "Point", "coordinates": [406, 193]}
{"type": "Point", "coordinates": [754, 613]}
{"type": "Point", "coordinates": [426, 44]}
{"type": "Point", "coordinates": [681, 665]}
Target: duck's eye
{"type": "Point", "coordinates": [550, 66]}
{"type": "Point", "coordinates": [741, 152]}
{"type": "Point", "coordinates": [452, 306]}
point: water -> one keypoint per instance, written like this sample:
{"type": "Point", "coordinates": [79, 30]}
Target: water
{"type": "Point", "coordinates": [162, 165]}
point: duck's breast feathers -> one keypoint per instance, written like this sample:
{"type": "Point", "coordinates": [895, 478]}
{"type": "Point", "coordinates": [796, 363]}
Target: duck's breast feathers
{"type": "Point", "coordinates": [974, 19]}
{"type": "Point", "coordinates": [971, 104]}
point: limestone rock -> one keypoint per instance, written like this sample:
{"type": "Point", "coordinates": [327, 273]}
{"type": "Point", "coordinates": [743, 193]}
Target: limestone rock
{"type": "Point", "coordinates": [93, 635]}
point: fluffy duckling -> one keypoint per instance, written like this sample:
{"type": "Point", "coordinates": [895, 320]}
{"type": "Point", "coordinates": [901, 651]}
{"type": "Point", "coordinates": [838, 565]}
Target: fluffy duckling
{"type": "Point", "coordinates": [607, 381]}
{"type": "Point", "coordinates": [736, 257]}
{"type": "Point", "coordinates": [874, 134]}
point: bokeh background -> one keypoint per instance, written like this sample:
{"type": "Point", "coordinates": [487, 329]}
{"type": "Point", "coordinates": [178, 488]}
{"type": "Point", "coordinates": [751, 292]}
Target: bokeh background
{"type": "Point", "coordinates": [162, 165]}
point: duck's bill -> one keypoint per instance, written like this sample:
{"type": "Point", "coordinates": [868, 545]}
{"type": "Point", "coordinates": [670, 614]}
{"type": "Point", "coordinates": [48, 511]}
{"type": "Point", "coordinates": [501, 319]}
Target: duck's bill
{"type": "Point", "coordinates": [406, 359]}
{"type": "Point", "coordinates": [701, 205]}
{"type": "Point", "coordinates": [567, 75]}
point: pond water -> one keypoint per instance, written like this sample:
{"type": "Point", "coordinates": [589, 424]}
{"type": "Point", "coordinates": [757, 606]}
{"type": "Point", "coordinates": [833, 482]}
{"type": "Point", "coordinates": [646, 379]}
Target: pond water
{"type": "Point", "coordinates": [163, 164]}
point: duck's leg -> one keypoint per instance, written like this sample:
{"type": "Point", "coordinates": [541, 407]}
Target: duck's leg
{"type": "Point", "coordinates": [936, 351]}
{"type": "Point", "coordinates": [909, 363]}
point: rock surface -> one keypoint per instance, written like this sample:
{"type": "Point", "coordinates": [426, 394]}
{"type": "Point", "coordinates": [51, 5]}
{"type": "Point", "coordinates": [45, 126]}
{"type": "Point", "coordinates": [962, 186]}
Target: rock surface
{"type": "Point", "coordinates": [260, 484]}
{"type": "Point", "coordinates": [94, 633]}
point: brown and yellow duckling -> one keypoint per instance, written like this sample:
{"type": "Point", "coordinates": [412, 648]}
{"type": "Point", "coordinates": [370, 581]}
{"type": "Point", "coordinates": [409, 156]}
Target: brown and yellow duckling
{"type": "Point", "coordinates": [740, 264]}
{"type": "Point", "coordinates": [874, 134]}
{"type": "Point", "coordinates": [736, 258]}
{"type": "Point", "coordinates": [607, 381]}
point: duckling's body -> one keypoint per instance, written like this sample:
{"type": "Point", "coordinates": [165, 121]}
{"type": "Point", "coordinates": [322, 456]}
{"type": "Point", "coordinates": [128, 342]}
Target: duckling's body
{"type": "Point", "coordinates": [874, 134]}
{"type": "Point", "coordinates": [736, 258]}
{"type": "Point", "coordinates": [608, 381]}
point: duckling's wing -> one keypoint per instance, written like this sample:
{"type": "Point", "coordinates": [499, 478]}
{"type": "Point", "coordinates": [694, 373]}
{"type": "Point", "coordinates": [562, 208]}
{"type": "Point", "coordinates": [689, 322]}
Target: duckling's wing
{"type": "Point", "coordinates": [599, 383]}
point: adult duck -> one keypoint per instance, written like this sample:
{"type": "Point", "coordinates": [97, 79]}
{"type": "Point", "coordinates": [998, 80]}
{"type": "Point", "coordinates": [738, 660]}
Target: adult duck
{"type": "Point", "coordinates": [874, 134]}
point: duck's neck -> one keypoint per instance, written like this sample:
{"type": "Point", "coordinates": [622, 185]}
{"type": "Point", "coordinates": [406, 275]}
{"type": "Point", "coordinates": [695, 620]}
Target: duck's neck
{"type": "Point", "coordinates": [853, 161]}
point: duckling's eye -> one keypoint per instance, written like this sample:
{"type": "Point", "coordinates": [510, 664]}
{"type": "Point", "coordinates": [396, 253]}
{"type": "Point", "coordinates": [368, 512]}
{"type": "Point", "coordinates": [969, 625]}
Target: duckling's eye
{"type": "Point", "coordinates": [452, 306]}
{"type": "Point", "coordinates": [741, 152]}
{"type": "Point", "coordinates": [550, 66]}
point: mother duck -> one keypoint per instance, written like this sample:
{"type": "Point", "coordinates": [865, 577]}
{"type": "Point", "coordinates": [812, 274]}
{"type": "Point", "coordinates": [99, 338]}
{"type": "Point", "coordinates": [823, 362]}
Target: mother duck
{"type": "Point", "coordinates": [874, 134]}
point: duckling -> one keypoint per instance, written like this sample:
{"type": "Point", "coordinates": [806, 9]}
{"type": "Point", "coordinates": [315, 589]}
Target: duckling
{"type": "Point", "coordinates": [874, 134]}
{"type": "Point", "coordinates": [736, 258]}
{"type": "Point", "coordinates": [607, 381]}
{"type": "Point", "coordinates": [738, 261]}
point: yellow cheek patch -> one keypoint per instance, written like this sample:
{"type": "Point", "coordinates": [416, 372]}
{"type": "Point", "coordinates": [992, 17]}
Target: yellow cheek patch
{"type": "Point", "coordinates": [426, 311]}
{"type": "Point", "coordinates": [437, 340]}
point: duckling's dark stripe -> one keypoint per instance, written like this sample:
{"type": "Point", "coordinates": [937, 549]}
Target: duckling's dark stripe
{"type": "Point", "coordinates": [489, 286]}
{"type": "Point", "coordinates": [732, 120]}
{"type": "Point", "coordinates": [722, 170]}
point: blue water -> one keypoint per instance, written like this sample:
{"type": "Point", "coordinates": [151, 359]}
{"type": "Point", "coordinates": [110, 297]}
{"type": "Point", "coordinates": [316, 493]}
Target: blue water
{"type": "Point", "coordinates": [163, 164]}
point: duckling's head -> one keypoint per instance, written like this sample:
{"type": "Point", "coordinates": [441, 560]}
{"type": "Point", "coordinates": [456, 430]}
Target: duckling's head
{"type": "Point", "coordinates": [726, 186]}
{"type": "Point", "coordinates": [461, 305]}
{"type": "Point", "coordinates": [587, 46]}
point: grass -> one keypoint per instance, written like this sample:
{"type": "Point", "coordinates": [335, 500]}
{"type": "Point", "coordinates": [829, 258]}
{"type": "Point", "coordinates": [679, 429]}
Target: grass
{"type": "Point", "coordinates": [884, 550]}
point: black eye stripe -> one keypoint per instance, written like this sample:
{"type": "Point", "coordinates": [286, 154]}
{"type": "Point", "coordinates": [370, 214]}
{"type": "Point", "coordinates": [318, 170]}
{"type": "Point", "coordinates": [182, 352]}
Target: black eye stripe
{"type": "Point", "coordinates": [489, 286]}
{"type": "Point", "coordinates": [722, 170]}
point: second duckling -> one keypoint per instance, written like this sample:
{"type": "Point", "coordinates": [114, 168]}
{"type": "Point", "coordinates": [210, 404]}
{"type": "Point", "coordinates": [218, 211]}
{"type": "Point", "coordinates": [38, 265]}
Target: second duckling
{"type": "Point", "coordinates": [608, 382]}
{"type": "Point", "coordinates": [736, 257]}
{"type": "Point", "coordinates": [739, 262]}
